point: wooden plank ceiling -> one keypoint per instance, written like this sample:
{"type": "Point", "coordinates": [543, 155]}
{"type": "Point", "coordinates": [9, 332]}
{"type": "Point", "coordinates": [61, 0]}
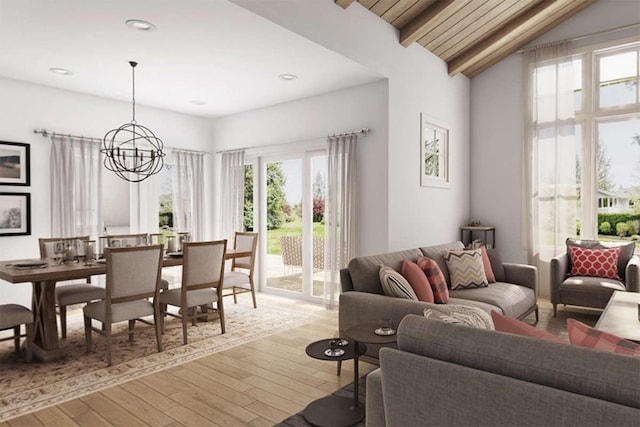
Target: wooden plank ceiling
{"type": "Point", "coordinates": [471, 35]}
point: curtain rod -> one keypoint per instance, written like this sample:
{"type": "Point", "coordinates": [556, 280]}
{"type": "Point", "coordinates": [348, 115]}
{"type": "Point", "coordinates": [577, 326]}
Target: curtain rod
{"type": "Point", "coordinates": [45, 133]}
{"type": "Point", "coordinates": [363, 132]}
{"type": "Point", "coordinates": [573, 39]}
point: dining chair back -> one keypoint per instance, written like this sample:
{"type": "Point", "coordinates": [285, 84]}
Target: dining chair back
{"type": "Point", "coordinates": [71, 293]}
{"type": "Point", "coordinates": [240, 278]}
{"type": "Point", "coordinates": [128, 240]}
{"type": "Point", "coordinates": [133, 277]}
{"type": "Point", "coordinates": [12, 316]}
{"type": "Point", "coordinates": [202, 281]}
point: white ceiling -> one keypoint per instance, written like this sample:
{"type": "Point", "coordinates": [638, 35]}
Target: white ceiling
{"type": "Point", "coordinates": [208, 50]}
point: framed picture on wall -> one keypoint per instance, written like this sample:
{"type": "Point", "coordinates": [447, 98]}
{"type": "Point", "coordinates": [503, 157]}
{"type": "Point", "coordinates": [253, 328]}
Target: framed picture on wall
{"type": "Point", "coordinates": [434, 154]}
{"type": "Point", "coordinates": [15, 214]}
{"type": "Point", "coordinates": [14, 163]}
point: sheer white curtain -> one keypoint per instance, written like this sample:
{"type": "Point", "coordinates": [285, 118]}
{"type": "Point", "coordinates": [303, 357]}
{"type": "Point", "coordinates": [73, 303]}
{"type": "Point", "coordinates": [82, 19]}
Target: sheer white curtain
{"type": "Point", "coordinates": [551, 155]}
{"type": "Point", "coordinates": [340, 213]}
{"type": "Point", "coordinates": [232, 189]}
{"type": "Point", "coordinates": [76, 187]}
{"type": "Point", "coordinates": [188, 193]}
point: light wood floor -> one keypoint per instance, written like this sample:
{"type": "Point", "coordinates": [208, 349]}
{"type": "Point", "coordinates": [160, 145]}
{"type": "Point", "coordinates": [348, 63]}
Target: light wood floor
{"type": "Point", "coordinates": [256, 384]}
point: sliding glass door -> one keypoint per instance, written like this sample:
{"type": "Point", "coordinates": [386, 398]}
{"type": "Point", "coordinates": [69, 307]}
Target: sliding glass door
{"type": "Point", "coordinates": [289, 213]}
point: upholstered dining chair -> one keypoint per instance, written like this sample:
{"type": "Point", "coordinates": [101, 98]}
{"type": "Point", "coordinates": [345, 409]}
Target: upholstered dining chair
{"type": "Point", "coordinates": [202, 281]}
{"type": "Point", "coordinates": [71, 293]}
{"type": "Point", "coordinates": [133, 277]}
{"type": "Point", "coordinates": [240, 278]}
{"type": "Point", "coordinates": [13, 316]}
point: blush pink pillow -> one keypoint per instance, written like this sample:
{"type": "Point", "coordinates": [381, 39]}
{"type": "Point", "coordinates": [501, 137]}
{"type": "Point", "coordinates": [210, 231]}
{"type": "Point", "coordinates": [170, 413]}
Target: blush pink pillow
{"type": "Point", "coordinates": [436, 279]}
{"type": "Point", "coordinates": [510, 325]}
{"type": "Point", "coordinates": [586, 336]}
{"type": "Point", "coordinates": [417, 279]}
{"type": "Point", "coordinates": [488, 271]}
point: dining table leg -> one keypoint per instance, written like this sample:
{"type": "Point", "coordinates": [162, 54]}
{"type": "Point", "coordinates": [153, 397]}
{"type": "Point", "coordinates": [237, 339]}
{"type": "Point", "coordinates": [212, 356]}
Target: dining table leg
{"type": "Point", "coordinates": [46, 345]}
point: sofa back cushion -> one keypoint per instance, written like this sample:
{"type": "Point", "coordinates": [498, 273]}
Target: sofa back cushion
{"type": "Point", "coordinates": [438, 253]}
{"type": "Point", "coordinates": [364, 270]}
{"type": "Point", "coordinates": [566, 367]}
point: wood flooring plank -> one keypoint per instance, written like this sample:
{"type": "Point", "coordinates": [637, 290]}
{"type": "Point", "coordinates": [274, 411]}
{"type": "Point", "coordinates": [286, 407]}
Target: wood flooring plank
{"type": "Point", "coordinates": [93, 419]}
{"type": "Point", "coordinates": [135, 405]}
{"type": "Point", "coordinates": [279, 390]}
{"type": "Point", "coordinates": [149, 395]}
{"type": "Point", "coordinates": [199, 404]}
{"type": "Point", "coordinates": [28, 420]}
{"type": "Point", "coordinates": [215, 389]}
{"type": "Point", "coordinates": [165, 383]}
{"type": "Point", "coordinates": [261, 422]}
{"type": "Point", "coordinates": [186, 417]}
{"type": "Point", "coordinates": [54, 417]}
{"type": "Point", "coordinates": [291, 384]}
{"type": "Point", "coordinates": [212, 375]}
{"type": "Point", "coordinates": [74, 408]}
{"type": "Point", "coordinates": [286, 405]}
{"type": "Point", "coordinates": [113, 413]}
{"type": "Point", "coordinates": [266, 411]}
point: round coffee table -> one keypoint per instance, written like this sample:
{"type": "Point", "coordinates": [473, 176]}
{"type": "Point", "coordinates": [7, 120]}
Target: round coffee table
{"type": "Point", "coordinates": [333, 410]}
{"type": "Point", "coordinates": [364, 333]}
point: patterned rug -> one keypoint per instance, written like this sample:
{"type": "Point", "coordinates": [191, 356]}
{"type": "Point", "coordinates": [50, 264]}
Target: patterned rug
{"type": "Point", "coordinates": [26, 387]}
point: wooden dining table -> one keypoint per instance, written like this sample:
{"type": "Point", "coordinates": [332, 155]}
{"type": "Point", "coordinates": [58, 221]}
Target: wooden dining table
{"type": "Point", "coordinates": [46, 346]}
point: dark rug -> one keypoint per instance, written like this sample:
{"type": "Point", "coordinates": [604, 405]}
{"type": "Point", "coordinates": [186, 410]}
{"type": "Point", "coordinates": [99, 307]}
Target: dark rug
{"type": "Point", "coordinates": [555, 325]}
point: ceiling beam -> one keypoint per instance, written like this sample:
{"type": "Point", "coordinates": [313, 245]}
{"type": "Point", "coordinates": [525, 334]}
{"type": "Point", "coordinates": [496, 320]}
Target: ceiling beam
{"type": "Point", "coordinates": [427, 20]}
{"type": "Point", "coordinates": [344, 3]}
{"type": "Point", "coordinates": [530, 36]}
{"type": "Point", "coordinates": [515, 29]}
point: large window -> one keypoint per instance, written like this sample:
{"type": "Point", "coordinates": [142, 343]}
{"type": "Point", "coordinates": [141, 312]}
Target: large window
{"type": "Point", "coordinates": [608, 133]}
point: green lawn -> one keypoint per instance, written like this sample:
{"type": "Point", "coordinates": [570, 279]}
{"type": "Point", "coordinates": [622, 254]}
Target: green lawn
{"type": "Point", "coordinates": [290, 229]}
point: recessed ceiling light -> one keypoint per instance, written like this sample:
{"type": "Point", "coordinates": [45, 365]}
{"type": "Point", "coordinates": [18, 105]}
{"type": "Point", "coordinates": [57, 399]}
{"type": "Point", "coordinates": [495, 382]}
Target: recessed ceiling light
{"type": "Point", "coordinates": [139, 24]}
{"type": "Point", "coordinates": [61, 71]}
{"type": "Point", "coordinates": [288, 77]}
{"type": "Point", "coordinates": [197, 102]}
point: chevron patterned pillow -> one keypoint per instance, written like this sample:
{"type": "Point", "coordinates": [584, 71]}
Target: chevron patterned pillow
{"type": "Point", "coordinates": [466, 268]}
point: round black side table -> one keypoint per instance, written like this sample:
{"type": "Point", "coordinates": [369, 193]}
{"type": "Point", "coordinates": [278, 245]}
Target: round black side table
{"type": "Point", "coordinates": [335, 411]}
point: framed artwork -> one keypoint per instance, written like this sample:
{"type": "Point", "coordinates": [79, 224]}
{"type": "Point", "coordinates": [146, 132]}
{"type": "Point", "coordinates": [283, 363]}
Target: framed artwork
{"type": "Point", "coordinates": [434, 154]}
{"type": "Point", "coordinates": [14, 164]}
{"type": "Point", "coordinates": [15, 214]}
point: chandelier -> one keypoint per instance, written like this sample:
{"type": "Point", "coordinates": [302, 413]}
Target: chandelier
{"type": "Point", "coordinates": [132, 151]}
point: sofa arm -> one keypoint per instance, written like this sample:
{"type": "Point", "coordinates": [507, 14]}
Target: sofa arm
{"type": "Point", "coordinates": [363, 307]}
{"type": "Point", "coordinates": [559, 268]}
{"type": "Point", "coordinates": [632, 274]}
{"type": "Point", "coordinates": [522, 274]}
{"type": "Point", "coordinates": [374, 401]}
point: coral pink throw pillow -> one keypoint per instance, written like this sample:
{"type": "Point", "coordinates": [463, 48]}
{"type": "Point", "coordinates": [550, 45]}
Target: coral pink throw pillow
{"type": "Point", "coordinates": [417, 279]}
{"type": "Point", "coordinates": [510, 325]}
{"type": "Point", "coordinates": [436, 279]}
{"type": "Point", "coordinates": [586, 336]}
{"type": "Point", "coordinates": [488, 271]}
{"type": "Point", "coordinates": [594, 262]}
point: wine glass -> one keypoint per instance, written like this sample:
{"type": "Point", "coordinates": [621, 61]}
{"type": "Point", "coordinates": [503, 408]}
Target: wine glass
{"type": "Point", "coordinates": [58, 251]}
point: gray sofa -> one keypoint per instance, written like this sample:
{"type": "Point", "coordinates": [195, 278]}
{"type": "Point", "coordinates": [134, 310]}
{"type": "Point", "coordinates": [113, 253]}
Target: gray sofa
{"type": "Point", "coordinates": [362, 299]}
{"type": "Point", "coordinates": [444, 374]}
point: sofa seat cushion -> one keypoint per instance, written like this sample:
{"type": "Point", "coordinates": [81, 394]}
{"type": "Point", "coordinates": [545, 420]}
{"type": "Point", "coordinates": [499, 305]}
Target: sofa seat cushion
{"type": "Point", "coordinates": [364, 270]}
{"type": "Point", "coordinates": [483, 305]}
{"type": "Point", "coordinates": [588, 291]}
{"type": "Point", "coordinates": [513, 300]}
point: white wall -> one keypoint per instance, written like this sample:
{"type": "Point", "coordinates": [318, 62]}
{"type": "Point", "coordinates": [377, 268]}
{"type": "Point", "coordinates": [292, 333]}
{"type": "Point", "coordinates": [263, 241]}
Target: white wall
{"type": "Point", "coordinates": [496, 126]}
{"type": "Point", "coordinates": [27, 107]}
{"type": "Point", "coordinates": [306, 122]}
{"type": "Point", "coordinates": [418, 82]}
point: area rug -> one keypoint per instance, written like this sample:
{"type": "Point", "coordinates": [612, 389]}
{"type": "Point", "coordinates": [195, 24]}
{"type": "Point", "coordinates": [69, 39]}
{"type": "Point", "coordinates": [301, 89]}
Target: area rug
{"type": "Point", "coordinates": [26, 387]}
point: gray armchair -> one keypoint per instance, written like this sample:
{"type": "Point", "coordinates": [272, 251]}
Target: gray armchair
{"type": "Point", "coordinates": [592, 292]}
